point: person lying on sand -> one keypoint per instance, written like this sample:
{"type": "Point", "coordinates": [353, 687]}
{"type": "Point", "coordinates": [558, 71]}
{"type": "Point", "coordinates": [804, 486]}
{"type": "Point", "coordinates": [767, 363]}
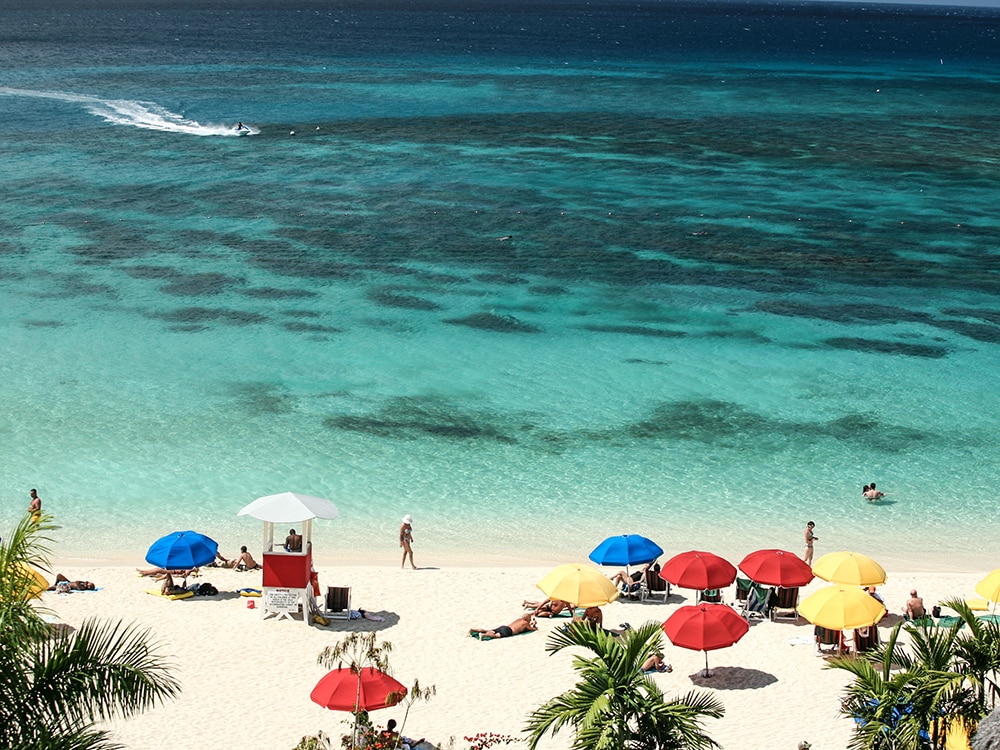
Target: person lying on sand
{"type": "Point", "coordinates": [70, 585]}
{"type": "Point", "coordinates": [222, 562]}
{"type": "Point", "coordinates": [548, 608]}
{"type": "Point", "coordinates": [157, 572]}
{"type": "Point", "coordinates": [522, 624]}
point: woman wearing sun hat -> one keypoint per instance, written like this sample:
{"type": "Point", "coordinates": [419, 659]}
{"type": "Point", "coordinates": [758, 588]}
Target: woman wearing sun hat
{"type": "Point", "coordinates": [406, 539]}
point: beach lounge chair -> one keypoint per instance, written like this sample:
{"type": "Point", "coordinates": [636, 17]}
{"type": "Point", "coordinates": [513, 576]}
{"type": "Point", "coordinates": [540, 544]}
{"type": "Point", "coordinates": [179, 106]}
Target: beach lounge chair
{"type": "Point", "coordinates": [786, 605]}
{"type": "Point", "coordinates": [865, 639]}
{"type": "Point", "coordinates": [712, 596]}
{"type": "Point", "coordinates": [656, 586]}
{"type": "Point", "coordinates": [338, 602]}
{"type": "Point", "coordinates": [742, 588]}
{"type": "Point", "coordinates": [828, 637]}
{"type": "Point", "coordinates": [755, 606]}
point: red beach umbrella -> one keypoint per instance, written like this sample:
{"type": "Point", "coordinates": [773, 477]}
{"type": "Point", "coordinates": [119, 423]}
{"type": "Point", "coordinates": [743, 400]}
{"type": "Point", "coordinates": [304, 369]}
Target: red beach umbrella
{"type": "Point", "coordinates": [346, 690]}
{"type": "Point", "coordinates": [698, 570]}
{"type": "Point", "coordinates": [775, 567]}
{"type": "Point", "coordinates": [705, 627]}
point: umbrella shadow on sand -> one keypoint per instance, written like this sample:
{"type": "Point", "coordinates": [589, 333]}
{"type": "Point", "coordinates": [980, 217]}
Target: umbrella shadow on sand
{"type": "Point", "coordinates": [363, 625]}
{"type": "Point", "coordinates": [734, 678]}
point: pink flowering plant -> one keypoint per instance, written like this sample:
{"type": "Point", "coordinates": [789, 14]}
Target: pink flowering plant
{"type": "Point", "coordinates": [485, 740]}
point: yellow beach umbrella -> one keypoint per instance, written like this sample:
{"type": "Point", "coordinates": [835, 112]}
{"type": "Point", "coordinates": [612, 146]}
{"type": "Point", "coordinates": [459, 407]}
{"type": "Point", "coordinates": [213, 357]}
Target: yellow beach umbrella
{"type": "Point", "coordinates": [989, 587]}
{"type": "Point", "coordinates": [850, 568]}
{"type": "Point", "coordinates": [841, 608]}
{"type": "Point", "coordinates": [580, 585]}
{"type": "Point", "coordinates": [28, 583]}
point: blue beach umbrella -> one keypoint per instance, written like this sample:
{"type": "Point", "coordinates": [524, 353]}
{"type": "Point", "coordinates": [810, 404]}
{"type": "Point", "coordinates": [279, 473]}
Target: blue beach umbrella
{"type": "Point", "coordinates": [626, 549]}
{"type": "Point", "coordinates": [182, 550]}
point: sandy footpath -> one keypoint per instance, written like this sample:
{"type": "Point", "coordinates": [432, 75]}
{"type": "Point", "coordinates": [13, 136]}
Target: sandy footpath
{"type": "Point", "coordinates": [246, 681]}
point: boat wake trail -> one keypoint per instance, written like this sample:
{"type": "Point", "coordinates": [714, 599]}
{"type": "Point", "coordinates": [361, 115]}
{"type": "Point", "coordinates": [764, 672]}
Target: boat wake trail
{"type": "Point", "coordinates": [139, 114]}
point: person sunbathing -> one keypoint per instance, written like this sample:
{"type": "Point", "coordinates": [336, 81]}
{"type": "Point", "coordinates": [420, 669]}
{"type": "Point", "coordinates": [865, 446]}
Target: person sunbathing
{"type": "Point", "coordinates": [169, 588]}
{"type": "Point", "coordinates": [548, 608]}
{"type": "Point", "coordinates": [655, 663]}
{"type": "Point", "coordinates": [630, 582]}
{"type": "Point", "coordinates": [157, 572]}
{"type": "Point", "coordinates": [245, 561]}
{"type": "Point", "coordinates": [69, 585]}
{"type": "Point", "coordinates": [522, 624]}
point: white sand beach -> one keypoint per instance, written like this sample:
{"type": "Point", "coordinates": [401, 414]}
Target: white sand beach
{"type": "Point", "coordinates": [246, 681]}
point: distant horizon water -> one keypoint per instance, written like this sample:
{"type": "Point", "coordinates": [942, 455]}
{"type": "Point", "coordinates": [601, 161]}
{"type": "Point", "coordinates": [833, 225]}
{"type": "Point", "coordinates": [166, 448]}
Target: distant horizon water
{"type": "Point", "coordinates": [535, 275]}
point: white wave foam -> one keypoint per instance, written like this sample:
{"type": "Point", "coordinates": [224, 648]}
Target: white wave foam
{"type": "Point", "coordinates": [140, 114]}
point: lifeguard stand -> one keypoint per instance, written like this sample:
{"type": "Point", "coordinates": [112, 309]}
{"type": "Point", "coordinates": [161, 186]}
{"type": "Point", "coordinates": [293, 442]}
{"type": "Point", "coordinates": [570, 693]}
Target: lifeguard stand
{"type": "Point", "coordinates": [288, 575]}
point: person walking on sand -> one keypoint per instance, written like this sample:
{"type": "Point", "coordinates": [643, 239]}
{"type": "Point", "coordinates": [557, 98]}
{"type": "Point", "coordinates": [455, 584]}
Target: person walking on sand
{"type": "Point", "coordinates": [35, 507]}
{"type": "Point", "coordinates": [406, 540]}
{"type": "Point", "coordinates": [810, 538]}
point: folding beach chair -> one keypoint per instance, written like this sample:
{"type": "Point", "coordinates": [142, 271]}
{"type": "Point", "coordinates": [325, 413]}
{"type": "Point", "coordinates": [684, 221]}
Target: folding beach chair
{"type": "Point", "coordinates": [656, 586]}
{"type": "Point", "coordinates": [828, 637]}
{"type": "Point", "coordinates": [712, 596]}
{"type": "Point", "coordinates": [865, 639]}
{"type": "Point", "coordinates": [785, 606]}
{"type": "Point", "coordinates": [742, 588]}
{"type": "Point", "coordinates": [755, 606]}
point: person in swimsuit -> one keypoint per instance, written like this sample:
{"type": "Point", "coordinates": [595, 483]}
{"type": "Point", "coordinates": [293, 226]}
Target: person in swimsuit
{"type": "Point", "coordinates": [810, 537]}
{"type": "Point", "coordinates": [548, 608]}
{"type": "Point", "coordinates": [70, 585]}
{"type": "Point", "coordinates": [35, 507]}
{"type": "Point", "coordinates": [406, 540]}
{"type": "Point", "coordinates": [655, 663]}
{"type": "Point", "coordinates": [245, 561]}
{"type": "Point", "coordinates": [871, 494]}
{"type": "Point", "coordinates": [914, 609]}
{"type": "Point", "coordinates": [630, 582]}
{"type": "Point", "coordinates": [293, 542]}
{"type": "Point", "coordinates": [522, 624]}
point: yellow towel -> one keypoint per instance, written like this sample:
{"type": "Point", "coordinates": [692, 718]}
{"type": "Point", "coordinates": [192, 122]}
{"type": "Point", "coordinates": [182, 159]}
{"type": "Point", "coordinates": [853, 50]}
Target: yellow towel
{"type": "Point", "coordinates": [158, 592]}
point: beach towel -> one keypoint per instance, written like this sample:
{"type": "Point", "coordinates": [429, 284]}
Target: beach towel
{"type": "Point", "coordinates": [250, 592]}
{"type": "Point", "coordinates": [157, 592]}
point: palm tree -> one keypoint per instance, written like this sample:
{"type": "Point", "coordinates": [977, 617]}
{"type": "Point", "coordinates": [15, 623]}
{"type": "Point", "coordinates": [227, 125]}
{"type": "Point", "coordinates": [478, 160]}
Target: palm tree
{"type": "Point", "coordinates": [904, 698]}
{"type": "Point", "coordinates": [56, 684]}
{"type": "Point", "coordinates": [615, 706]}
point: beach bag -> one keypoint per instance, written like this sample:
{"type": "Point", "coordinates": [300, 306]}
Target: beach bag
{"type": "Point", "coordinates": [207, 589]}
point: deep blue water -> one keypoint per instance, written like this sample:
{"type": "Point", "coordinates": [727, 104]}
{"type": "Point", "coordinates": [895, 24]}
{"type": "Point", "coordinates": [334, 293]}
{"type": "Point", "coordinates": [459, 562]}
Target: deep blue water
{"type": "Point", "coordinates": [750, 262]}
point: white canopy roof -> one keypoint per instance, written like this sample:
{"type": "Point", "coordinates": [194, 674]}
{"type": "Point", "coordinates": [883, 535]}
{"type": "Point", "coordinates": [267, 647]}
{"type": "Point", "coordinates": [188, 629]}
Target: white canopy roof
{"type": "Point", "coordinates": [289, 507]}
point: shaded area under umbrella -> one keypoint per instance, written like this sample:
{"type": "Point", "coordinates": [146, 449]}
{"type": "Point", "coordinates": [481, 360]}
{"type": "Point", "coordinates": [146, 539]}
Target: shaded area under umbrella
{"type": "Point", "coordinates": [776, 567]}
{"type": "Point", "coordinates": [625, 550]}
{"type": "Point", "coordinates": [182, 550]}
{"type": "Point", "coordinates": [580, 585]}
{"type": "Point", "coordinates": [698, 570]}
{"type": "Point", "coordinates": [841, 608]}
{"type": "Point", "coordinates": [850, 568]}
{"type": "Point", "coordinates": [705, 627]}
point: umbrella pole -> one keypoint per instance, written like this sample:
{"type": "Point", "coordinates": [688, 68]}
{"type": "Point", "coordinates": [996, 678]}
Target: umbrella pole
{"type": "Point", "coordinates": [707, 673]}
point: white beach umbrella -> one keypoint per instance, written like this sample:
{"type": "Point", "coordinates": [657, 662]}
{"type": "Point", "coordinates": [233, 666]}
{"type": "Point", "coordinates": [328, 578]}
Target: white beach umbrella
{"type": "Point", "coordinates": [289, 507]}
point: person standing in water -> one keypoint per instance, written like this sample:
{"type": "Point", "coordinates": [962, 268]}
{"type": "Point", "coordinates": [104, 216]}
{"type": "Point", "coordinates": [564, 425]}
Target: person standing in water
{"type": "Point", "coordinates": [406, 540]}
{"type": "Point", "coordinates": [810, 537]}
{"type": "Point", "coordinates": [35, 507]}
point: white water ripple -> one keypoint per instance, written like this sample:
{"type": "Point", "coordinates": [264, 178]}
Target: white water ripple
{"type": "Point", "coordinates": [129, 112]}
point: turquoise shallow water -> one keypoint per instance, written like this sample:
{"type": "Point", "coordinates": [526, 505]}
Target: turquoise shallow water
{"type": "Point", "coordinates": [738, 283]}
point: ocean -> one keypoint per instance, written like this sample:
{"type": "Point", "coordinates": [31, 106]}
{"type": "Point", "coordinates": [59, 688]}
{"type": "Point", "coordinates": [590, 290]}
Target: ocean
{"type": "Point", "coordinates": [535, 275]}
